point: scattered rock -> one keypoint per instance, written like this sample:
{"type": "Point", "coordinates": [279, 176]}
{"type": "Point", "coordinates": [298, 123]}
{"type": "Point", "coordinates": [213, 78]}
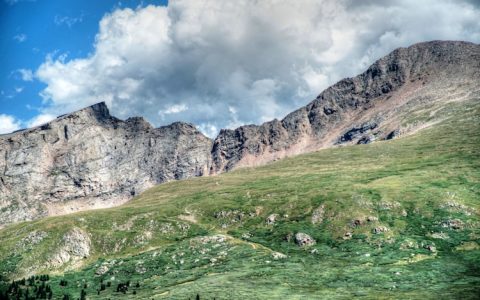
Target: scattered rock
{"type": "Point", "coordinates": [140, 268]}
{"type": "Point", "coordinates": [246, 235]}
{"type": "Point", "coordinates": [271, 219]}
{"type": "Point", "coordinates": [230, 217]}
{"type": "Point", "coordinates": [32, 239]}
{"type": "Point", "coordinates": [430, 248]}
{"type": "Point", "coordinates": [409, 244]}
{"type": "Point", "coordinates": [166, 228]}
{"type": "Point", "coordinates": [318, 214]}
{"type": "Point", "coordinates": [278, 255]}
{"type": "Point", "coordinates": [372, 219]}
{"type": "Point", "coordinates": [452, 205]}
{"type": "Point", "coordinates": [454, 224]}
{"type": "Point", "coordinates": [389, 205]}
{"type": "Point", "coordinates": [347, 235]}
{"type": "Point", "coordinates": [218, 238]}
{"type": "Point", "coordinates": [183, 226]}
{"type": "Point", "coordinates": [439, 235]}
{"type": "Point", "coordinates": [380, 229]}
{"type": "Point", "coordinates": [304, 240]}
{"type": "Point", "coordinates": [356, 223]}
{"type": "Point", "coordinates": [143, 238]}
{"type": "Point", "coordinates": [103, 269]}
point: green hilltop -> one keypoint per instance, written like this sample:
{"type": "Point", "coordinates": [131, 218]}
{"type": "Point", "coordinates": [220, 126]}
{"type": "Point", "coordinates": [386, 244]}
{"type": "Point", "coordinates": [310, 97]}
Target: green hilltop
{"type": "Point", "coordinates": [392, 219]}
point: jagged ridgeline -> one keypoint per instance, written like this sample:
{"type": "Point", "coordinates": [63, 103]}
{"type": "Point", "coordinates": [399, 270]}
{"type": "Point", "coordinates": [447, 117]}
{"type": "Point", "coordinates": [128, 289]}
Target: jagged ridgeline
{"type": "Point", "coordinates": [89, 159]}
{"type": "Point", "coordinates": [396, 218]}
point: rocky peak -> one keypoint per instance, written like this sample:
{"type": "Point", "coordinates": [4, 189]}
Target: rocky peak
{"type": "Point", "coordinates": [89, 159]}
{"type": "Point", "coordinates": [359, 110]}
{"type": "Point", "coordinates": [138, 124]}
{"type": "Point", "coordinates": [96, 113]}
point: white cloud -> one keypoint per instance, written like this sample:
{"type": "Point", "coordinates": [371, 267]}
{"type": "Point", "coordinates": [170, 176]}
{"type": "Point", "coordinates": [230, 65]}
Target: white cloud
{"type": "Point", "coordinates": [40, 120]}
{"type": "Point", "coordinates": [8, 124]}
{"type": "Point", "coordinates": [174, 109]}
{"type": "Point", "coordinates": [224, 63]}
{"type": "Point", "coordinates": [26, 74]}
{"type": "Point", "coordinates": [69, 21]}
{"type": "Point", "coordinates": [18, 89]}
{"type": "Point", "coordinates": [20, 37]}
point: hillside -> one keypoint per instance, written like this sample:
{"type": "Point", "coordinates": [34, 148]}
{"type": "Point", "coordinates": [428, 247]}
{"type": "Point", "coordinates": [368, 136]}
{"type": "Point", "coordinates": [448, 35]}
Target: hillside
{"type": "Point", "coordinates": [89, 159]}
{"type": "Point", "coordinates": [392, 219]}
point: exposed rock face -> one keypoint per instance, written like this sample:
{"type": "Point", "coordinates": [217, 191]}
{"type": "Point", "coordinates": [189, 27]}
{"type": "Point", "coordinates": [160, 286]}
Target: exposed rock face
{"type": "Point", "coordinates": [362, 109]}
{"type": "Point", "coordinates": [89, 159]}
{"type": "Point", "coordinates": [76, 246]}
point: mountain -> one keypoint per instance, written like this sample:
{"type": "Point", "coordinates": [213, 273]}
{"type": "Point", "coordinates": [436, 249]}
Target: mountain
{"type": "Point", "coordinates": [392, 219]}
{"type": "Point", "coordinates": [89, 159]}
{"type": "Point", "coordinates": [371, 106]}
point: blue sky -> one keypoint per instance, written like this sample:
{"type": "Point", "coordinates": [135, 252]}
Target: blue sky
{"type": "Point", "coordinates": [31, 30]}
{"type": "Point", "coordinates": [214, 63]}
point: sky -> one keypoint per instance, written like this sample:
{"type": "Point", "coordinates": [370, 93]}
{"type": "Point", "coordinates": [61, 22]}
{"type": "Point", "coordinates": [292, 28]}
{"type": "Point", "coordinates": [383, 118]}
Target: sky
{"type": "Point", "coordinates": [216, 64]}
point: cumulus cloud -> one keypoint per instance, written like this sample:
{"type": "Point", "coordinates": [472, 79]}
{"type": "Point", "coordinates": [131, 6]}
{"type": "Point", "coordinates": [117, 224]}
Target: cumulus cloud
{"type": "Point", "coordinates": [221, 64]}
{"type": "Point", "coordinates": [40, 120]}
{"type": "Point", "coordinates": [8, 124]}
{"type": "Point", "coordinates": [26, 74]}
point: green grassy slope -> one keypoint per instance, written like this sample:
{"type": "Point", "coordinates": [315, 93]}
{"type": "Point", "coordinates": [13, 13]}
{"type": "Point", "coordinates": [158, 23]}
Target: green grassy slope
{"type": "Point", "coordinates": [209, 236]}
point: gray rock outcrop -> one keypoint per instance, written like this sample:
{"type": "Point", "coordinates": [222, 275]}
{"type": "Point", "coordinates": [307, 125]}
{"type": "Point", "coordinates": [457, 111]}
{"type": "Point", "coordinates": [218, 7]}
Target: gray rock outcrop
{"type": "Point", "coordinates": [89, 159]}
{"type": "Point", "coordinates": [76, 245]}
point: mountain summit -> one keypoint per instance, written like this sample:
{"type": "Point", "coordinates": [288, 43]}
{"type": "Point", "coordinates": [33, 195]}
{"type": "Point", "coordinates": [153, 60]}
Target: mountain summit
{"type": "Point", "coordinates": [89, 159]}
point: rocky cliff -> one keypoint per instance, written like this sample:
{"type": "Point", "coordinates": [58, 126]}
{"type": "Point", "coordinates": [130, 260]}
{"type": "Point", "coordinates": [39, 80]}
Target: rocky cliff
{"type": "Point", "coordinates": [375, 105]}
{"type": "Point", "coordinates": [89, 159]}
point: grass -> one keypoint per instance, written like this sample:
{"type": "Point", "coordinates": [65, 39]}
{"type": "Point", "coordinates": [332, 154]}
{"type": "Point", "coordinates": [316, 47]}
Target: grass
{"type": "Point", "coordinates": [411, 186]}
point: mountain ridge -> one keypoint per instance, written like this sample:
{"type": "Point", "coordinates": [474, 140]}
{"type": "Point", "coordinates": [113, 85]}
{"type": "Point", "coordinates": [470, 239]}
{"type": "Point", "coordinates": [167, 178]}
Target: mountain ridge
{"type": "Point", "coordinates": [90, 159]}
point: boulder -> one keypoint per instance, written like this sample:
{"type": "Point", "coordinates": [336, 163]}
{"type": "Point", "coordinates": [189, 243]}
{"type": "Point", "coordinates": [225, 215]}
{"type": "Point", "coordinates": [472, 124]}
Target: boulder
{"type": "Point", "coordinates": [271, 219]}
{"type": "Point", "coordinates": [304, 240]}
